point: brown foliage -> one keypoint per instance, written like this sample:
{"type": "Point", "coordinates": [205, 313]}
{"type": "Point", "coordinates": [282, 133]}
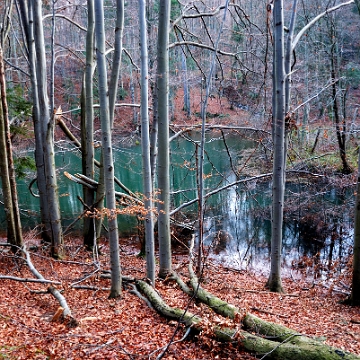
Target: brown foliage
{"type": "Point", "coordinates": [128, 329]}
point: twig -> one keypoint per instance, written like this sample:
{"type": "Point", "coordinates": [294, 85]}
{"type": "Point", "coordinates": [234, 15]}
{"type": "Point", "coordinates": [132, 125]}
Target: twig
{"type": "Point", "coordinates": [268, 312]}
{"type": "Point", "coordinates": [89, 287]}
{"type": "Point", "coordinates": [283, 342]}
{"type": "Point", "coordinates": [45, 281]}
{"type": "Point", "coordinates": [85, 277]}
{"type": "Point", "coordinates": [101, 346]}
{"type": "Point", "coordinates": [174, 342]}
{"type": "Point", "coordinates": [272, 293]}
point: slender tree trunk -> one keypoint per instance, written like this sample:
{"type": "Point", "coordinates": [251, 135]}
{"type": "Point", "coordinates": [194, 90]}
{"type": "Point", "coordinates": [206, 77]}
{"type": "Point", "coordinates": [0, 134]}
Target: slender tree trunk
{"type": "Point", "coordinates": [201, 191]}
{"type": "Point", "coordinates": [163, 139]}
{"type": "Point", "coordinates": [8, 178]}
{"type": "Point", "coordinates": [154, 134]}
{"type": "Point", "coordinates": [274, 282]}
{"type": "Point", "coordinates": [340, 126]}
{"type": "Point", "coordinates": [5, 180]}
{"type": "Point", "coordinates": [87, 126]}
{"type": "Point", "coordinates": [145, 142]}
{"type": "Point", "coordinates": [113, 86]}
{"type": "Point", "coordinates": [44, 132]}
{"type": "Point", "coordinates": [114, 78]}
{"type": "Point", "coordinates": [280, 126]}
{"type": "Point", "coordinates": [106, 139]}
{"type": "Point", "coordinates": [44, 211]}
{"type": "Point", "coordinates": [187, 105]}
{"type": "Point", "coordinates": [355, 292]}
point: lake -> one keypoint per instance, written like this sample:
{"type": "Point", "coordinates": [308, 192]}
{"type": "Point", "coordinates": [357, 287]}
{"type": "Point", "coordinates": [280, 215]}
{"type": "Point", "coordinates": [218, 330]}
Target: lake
{"type": "Point", "coordinates": [318, 219]}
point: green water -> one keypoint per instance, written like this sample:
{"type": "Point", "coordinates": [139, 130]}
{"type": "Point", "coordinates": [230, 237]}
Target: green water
{"type": "Point", "coordinates": [127, 159]}
{"type": "Point", "coordinates": [241, 211]}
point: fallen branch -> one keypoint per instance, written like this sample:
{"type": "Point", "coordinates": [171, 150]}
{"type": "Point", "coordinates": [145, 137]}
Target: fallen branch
{"type": "Point", "coordinates": [267, 312]}
{"type": "Point", "coordinates": [92, 184]}
{"type": "Point", "coordinates": [66, 313]}
{"type": "Point", "coordinates": [89, 287]}
{"type": "Point", "coordinates": [45, 281]}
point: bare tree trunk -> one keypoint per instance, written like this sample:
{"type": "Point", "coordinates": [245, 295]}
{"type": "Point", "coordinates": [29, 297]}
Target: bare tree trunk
{"type": "Point", "coordinates": [116, 61]}
{"type": "Point", "coordinates": [8, 180]}
{"type": "Point", "coordinates": [187, 104]}
{"type": "Point", "coordinates": [113, 86]}
{"type": "Point", "coordinates": [108, 162]}
{"type": "Point", "coordinates": [280, 126]}
{"type": "Point", "coordinates": [145, 143]}
{"type": "Point", "coordinates": [87, 126]}
{"type": "Point", "coordinates": [163, 139]}
{"type": "Point", "coordinates": [274, 282]}
{"type": "Point", "coordinates": [355, 291]}
{"type": "Point", "coordinates": [44, 131]}
{"type": "Point", "coordinates": [201, 191]}
{"type": "Point", "coordinates": [340, 125]}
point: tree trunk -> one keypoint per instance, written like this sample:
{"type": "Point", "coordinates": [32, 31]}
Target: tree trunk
{"type": "Point", "coordinates": [8, 180]}
{"type": "Point", "coordinates": [108, 162]}
{"type": "Point", "coordinates": [145, 147]}
{"type": "Point", "coordinates": [163, 140]}
{"type": "Point", "coordinates": [87, 127]}
{"type": "Point", "coordinates": [280, 126]}
{"type": "Point", "coordinates": [355, 291]}
{"type": "Point", "coordinates": [116, 61]}
{"type": "Point", "coordinates": [187, 104]}
{"type": "Point", "coordinates": [44, 133]}
{"type": "Point", "coordinates": [278, 185]}
{"type": "Point", "coordinates": [340, 125]}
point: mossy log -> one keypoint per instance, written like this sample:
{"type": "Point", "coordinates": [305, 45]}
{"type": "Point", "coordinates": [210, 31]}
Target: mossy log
{"type": "Point", "coordinates": [162, 308]}
{"type": "Point", "coordinates": [221, 307]}
{"type": "Point", "coordinates": [255, 335]}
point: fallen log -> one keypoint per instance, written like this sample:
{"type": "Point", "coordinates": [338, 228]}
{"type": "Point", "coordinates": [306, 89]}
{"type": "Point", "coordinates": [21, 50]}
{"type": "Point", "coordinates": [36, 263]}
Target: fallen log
{"type": "Point", "coordinates": [286, 344]}
{"type": "Point", "coordinates": [162, 308]}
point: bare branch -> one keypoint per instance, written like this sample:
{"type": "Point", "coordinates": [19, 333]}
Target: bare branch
{"type": "Point", "coordinates": [215, 191]}
{"type": "Point", "coordinates": [15, 278]}
{"type": "Point", "coordinates": [315, 19]}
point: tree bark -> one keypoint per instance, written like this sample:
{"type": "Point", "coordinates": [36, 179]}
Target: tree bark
{"type": "Point", "coordinates": [163, 172]}
{"type": "Point", "coordinates": [108, 161]}
{"type": "Point", "coordinates": [278, 186]}
{"type": "Point", "coordinates": [87, 126]}
{"type": "Point", "coordinates": [355, 291]}
{"type": "Point", "coordinates": [145, 147]}
{"type": "Point", "coordinates": [44, 133]}
{"type": "Point", "coordinates": [8, 180]}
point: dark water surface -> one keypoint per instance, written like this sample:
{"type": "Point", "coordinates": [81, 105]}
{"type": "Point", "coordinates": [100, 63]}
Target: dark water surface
{"type": "Point", "coordinates": [318, 219]}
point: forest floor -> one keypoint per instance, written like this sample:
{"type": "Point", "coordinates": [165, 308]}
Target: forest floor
{"type": "Point", "coordinates": [127, 328]}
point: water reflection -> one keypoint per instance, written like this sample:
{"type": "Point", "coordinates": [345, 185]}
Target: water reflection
{"type": "Point", "coordinates": [317, 231]}
{"type": "Point", "coordinates": [318, 219]}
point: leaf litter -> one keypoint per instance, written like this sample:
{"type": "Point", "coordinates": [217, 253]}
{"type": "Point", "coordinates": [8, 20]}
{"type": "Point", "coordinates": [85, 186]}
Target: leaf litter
{"type": "Point", "coordinates": [127, 328]}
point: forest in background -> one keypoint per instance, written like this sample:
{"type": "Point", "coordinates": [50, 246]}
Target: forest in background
{"type": "Point", "coordinates": [88, 74]}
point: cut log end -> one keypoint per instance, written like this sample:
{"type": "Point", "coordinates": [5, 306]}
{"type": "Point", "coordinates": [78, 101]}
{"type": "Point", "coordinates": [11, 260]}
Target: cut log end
{"type": "Point", "coordinates": [60, 317]}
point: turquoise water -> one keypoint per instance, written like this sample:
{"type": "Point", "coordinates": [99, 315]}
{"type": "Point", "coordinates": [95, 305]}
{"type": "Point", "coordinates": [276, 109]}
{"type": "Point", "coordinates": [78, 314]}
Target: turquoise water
{"type": "Point", "coordinates": [242, 211]}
